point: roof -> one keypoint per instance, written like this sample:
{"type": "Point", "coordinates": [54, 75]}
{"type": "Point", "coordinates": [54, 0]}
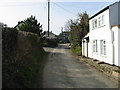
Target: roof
{"type": "Point", "coordinates": [50, 33]}
{"type": "Point", "coordinates": [102, 10]}
{"type": "Point", "coordinates": [87, 35]}
{"type": "Point", "coordinates": [99, 12]}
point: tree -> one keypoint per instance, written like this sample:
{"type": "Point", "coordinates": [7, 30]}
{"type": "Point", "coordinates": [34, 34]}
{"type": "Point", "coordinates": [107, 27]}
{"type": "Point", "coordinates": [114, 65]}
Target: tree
{"type": "Point", "coordinates": [78, 28]}
{"type": "Point", "coordinates": [30, 25]}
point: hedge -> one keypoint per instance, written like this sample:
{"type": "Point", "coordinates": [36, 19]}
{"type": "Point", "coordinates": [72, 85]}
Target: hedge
{"type": "Point", "coordinates": [22, 54]}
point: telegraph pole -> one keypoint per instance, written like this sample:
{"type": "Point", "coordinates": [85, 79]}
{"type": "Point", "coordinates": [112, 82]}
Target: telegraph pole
{"type": "Point", "coordinates": [48, 17]}
{"type": "Point", "coordinates": [61, 29]}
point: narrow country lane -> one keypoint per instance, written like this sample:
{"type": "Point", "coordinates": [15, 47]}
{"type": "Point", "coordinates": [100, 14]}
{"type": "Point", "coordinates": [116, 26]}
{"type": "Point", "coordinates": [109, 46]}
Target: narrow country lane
{"type": "Point", "coordinates": [62, 70]}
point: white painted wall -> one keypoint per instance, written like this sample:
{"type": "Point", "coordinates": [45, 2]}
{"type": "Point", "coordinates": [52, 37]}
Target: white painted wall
{"type": "Point", "coordinates": [118, 46]}
{"type": "Point", "coordinates": [101, 33]}
{"type": "Point", "coordinates": [51, 36]}
{"type": "Point", "coordinates": [84, 48]}
{"type": "Point", "coordinates": [110, 35]}
{"type": "Point", "coordinates": [115, 30]}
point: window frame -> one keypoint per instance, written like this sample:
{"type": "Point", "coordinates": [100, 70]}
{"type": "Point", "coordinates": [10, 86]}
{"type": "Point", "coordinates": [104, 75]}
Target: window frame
{"type": "Point", "coordinates": [103, 48]}
{"type": "Point", "coordinates": [99, 21]}
{"type": "Point", "coordinates": [103, 19]}
{"type": "Point", "coordinates": [95, 46]}
{"type": "Point", "coordinates": [94, 24]}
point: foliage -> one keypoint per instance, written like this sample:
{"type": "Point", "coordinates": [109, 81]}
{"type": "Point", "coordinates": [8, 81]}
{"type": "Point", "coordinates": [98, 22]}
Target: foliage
{"type": "Point", "coordinates": [30, 25]}
{"type": "Point", "coordinates": [22, 55]}
{"type": "Point", "coordinates": [49, 43]}
{"type": "Point", "coordinates": [76, 50]}
{"type": "Point", "coordinates": [9, 40]}
{"type": "Point", "coordinates": [63, 37]}
{"type": "Point", "coordinates": [52, 43]}
{"type": "Point", "coordinates": [78, 28]}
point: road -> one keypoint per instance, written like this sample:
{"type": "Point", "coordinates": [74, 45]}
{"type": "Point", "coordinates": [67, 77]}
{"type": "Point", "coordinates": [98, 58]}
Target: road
{"type": "Point", "coordinates": [62, 70]}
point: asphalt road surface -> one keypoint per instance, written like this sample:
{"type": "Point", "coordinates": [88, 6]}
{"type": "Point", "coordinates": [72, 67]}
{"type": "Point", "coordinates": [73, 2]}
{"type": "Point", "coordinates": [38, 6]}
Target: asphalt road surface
{"type": "Point", "coordinates": [62, 70]}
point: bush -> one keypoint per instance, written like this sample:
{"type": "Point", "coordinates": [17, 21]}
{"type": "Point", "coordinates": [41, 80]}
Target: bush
{"type": "Point", "coordinates": [52, 43]}
{"type": "Point", "coordinates": [9, 41]}
{"type": "Point", "coordinates": [76, 49]}
{"type": "Point", "coordinates": [22, 54]}
{"type": "Point", "coordinates": [49, 43]}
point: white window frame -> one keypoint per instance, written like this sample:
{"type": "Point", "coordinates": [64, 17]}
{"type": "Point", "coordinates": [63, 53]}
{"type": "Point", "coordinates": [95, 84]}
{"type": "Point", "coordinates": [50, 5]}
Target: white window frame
{"type": "Point", "coordinates": [99, 21]}
{"type": "Point", "coordinates": [95, 46]}
{"type": "Point", "coordinates": [94, 24]}
{"type": "Point", "coordinates": [103, 19]}
{"type": "Point", "coordinates": [103, 47]}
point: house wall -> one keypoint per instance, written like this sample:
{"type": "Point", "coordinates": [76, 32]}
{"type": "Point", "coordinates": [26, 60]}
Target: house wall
{"type": "Point", "coordinates": [101, 33]}
{"type": "Point", "coordinates": [115, 30]}
{"type": "Point", "coordinates": [110, 32]}
{"type": "Point", "coordinates": [84, 48]}
{"type": "Point", "coordinates": [51, 36]}
{"type": "Point", "coordinates": [119, 46]}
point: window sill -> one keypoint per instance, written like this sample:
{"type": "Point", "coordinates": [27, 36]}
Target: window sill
{"type": "Point", "coordinates": [101, 26]}
{"type": "Point", "coordinates": [95, 53]}
{"type": "Point", "coordinates": [105, 56]}
{"type": "Point", "coordinates": [94, 28]}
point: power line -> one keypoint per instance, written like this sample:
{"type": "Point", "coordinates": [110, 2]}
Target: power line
{"type": "Point", "coordinates": [54, 24]}
{"type": "Point", "coordinates": [63, 8]}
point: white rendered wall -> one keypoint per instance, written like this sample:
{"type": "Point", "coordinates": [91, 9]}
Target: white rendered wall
{"type": "Point", "coordinates": [119, 47]}
{"type": "Point", "coordinates": [84, 48]}
{"type": "Point", "coordinates": [101, 33]}
{"type": "Point", "coordinates": [115, 30]}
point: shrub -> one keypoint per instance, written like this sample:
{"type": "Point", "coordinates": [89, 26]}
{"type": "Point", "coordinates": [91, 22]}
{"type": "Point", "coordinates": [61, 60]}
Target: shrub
{"type": "Point", "coordinates": [52, 43]}
{"type": "Point", "coordinates": [49, 43]}
{"type": "Point", "coordinates": [22, 55]}
{"type": "Point", "coordinates": [76, 49]}
{"type": "Point", "coordinates": [9, 41]}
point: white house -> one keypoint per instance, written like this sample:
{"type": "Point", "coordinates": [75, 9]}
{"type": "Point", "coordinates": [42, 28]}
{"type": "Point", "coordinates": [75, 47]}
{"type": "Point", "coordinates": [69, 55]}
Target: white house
{"type": "Point", "coordinates": [51, 35]}
{"type": "Point", "coordinates": [103, 40]}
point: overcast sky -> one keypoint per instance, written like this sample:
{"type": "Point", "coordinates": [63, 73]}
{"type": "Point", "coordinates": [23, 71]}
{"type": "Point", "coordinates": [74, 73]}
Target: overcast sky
{"type": "Point", "coordinates": [12, 11]}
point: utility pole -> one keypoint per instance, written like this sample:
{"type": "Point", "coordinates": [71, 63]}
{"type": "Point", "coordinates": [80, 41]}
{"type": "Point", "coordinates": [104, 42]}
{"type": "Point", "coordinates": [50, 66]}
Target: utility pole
{"type": "Point", "coordinates": [48, 17]}
{"type": "Point", "coordinates": [61, 29]}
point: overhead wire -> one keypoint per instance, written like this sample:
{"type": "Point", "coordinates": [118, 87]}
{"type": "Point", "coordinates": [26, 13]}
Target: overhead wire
{"type": "Point", "coordinates": [63, 8]}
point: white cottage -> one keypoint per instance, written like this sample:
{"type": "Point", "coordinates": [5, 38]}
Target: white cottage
{"type": "Point", "coordinates": [103, 40]}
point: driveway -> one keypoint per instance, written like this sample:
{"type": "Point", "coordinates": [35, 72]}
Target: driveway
{"type": "Point", "coordinates": [62, 70]}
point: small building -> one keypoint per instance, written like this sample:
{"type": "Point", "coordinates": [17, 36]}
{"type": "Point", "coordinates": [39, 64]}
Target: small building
{"type": "Point", "coordinates": [63, 37]}
{"type": "Point", "coordinates": [51, 35]}
{"type": "Point", "coordinates": [103, 40]}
